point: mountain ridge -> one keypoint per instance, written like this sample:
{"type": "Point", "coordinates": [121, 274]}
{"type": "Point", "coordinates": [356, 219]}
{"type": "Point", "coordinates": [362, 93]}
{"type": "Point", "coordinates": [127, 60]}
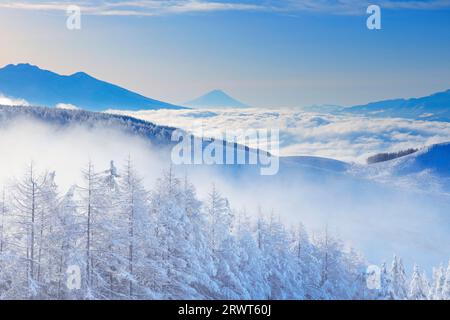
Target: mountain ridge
{"type": "Point", "coordinates": [435, 106]}
{"type": "Point", "coordinates": [46, 88]}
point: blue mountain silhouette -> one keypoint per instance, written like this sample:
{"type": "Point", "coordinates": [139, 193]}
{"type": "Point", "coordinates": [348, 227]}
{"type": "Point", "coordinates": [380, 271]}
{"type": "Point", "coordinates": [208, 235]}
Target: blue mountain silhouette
{"type": "Point", "coordinates": [46, 88]}
{"type": "Point", "coordinates": [433, 107]}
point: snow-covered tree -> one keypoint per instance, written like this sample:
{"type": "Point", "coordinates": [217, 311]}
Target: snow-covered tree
{"type": "Point", "coordinates": [204, 265]}
{"type": "Point", "coordinates": [173, 230]}
{"type": "Point", "coordinates": [28, 211]}
{"type": "Point", "coordinates": [252, 263]}
{"type": "Point", "coordinates": [224, 245]}
{"type": "Point", "coordinates": [418, 286]}
{"type": "Point", "coordinates": [399, 279]}
{"type": "Point", "coordinates": [308, 267]}
{"type": "Point", "coordinates": [446, 286]}
{"type": "Point", "coordinates": [333, 280]}
{"type": "Point", "coordinates": [3, 213]}
{"type": "Point", "coordinates": [284, 280]}
{"type": "Point", "coordinates": [94, 205]}
{"type": "Point", "coordinates": [66, 238]}
{"type": "Point", "coordinates": [48, 216]}
{"type": "Point", "coordinates": [438, 282]}
{"type": "Point", "coordinates": [141, 269]}
{"type": "Point", "coordinates": [6, 276]}
{"type": "Point", "coordinates": [385, 291]}
{"type": "Point", "coordinates": [220, 218]}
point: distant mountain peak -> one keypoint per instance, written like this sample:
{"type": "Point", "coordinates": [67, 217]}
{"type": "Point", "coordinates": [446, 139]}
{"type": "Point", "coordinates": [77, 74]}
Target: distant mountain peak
{"type": "Point", "coordinates": [216, 98]}
{"type": "Point", "coordinates": [217, 92]}
{"type": "Point", "coordinates": [22, 66]}
{"type": "Point", "coordinates": [432, 107]}
{"type": "Point", "coordinates": [46, 88]}
{"type": "Point", "coordinates": [81, 75]}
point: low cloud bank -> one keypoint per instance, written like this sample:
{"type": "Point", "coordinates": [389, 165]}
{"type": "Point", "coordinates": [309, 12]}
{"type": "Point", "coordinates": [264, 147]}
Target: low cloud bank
{"type": "Point", "coordinates": [6, 101]}
{"type": "Point", "coordinates": [342, 137]}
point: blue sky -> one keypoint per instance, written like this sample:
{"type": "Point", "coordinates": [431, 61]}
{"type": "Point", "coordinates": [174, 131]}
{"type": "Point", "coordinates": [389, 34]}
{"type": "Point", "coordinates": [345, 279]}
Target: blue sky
{"type": "Point", "coordinates": [266, 53]}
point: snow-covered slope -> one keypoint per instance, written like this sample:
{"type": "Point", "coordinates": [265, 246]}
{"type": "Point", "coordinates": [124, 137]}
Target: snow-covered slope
{"type": "Point", "coordinates": [426, 170]}
{"type": "Point", "coordinates": [320, 163]}
{"type": "Point", "coordinates": [434, 159]}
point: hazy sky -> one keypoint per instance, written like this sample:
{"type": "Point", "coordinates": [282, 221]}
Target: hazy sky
{"type": "Point", "coordinates": [265, 53]}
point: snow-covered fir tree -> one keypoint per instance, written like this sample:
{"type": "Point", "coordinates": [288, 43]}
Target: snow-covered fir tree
{"type": "Point", "coordinates": [418, 287]}
{"type": "Point", "coordinates": [446, 287]}
{"type": "Point", "coordinates": [398, 279]}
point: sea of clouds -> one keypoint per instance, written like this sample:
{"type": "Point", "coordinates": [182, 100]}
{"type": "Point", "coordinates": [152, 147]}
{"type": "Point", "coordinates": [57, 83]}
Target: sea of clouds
{"type": "Point", "coordinates": [343, 137]}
